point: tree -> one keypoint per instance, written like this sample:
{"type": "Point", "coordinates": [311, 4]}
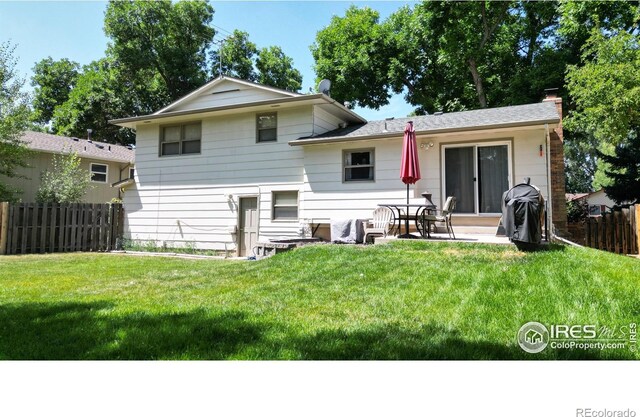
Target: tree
{"type": "Point", "coordinates": [442, 55]}
{"type": "Point", "coordinates": [352, 52]}
{"type": "Point", "coordinates": [14, 120]}
{"type": "Point", "coordinates": [606, 88]}
{"type": "Point", "coordinates": [65, 182]}
{"type": "Point", "coordinates": [624, 170]}
{"type": "Point", "coordinates": [169, 39]}
{"type": "Point", "coordinates": [99, 96]}
{"type": "Point", "coordinates": [276, 69]}
{"type": "Point", "coordinates": [238, 55]}
{"type": "Point", "coordinates": [53, 81]}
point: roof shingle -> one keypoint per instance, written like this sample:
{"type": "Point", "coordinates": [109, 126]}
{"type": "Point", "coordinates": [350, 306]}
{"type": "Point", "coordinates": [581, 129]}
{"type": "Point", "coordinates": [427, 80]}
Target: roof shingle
{"type": "Point", "coordinates": [84, 148]}
{"type": "Point", "coordinates": [524, 114]}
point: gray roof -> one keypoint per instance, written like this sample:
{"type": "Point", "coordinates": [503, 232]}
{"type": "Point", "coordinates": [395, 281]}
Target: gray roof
{"type": "Point", "coordinates": [528, 114]}
{"type": "Point", "coordinates": [84, 148]}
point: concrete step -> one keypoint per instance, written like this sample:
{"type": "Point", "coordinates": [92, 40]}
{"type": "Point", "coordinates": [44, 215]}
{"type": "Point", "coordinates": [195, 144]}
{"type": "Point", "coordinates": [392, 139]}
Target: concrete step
{"type": "Point", "coordinates": [473, 230]}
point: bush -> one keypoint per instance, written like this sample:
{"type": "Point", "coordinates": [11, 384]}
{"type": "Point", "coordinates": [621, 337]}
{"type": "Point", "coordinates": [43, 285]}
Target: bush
{"type": "Point", "coordinates": [577, 211]}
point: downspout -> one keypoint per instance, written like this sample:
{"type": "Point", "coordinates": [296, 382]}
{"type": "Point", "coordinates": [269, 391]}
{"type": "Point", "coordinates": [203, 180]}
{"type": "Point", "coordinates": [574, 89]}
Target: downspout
{"type": "Point", "coordinates": [549, 198]}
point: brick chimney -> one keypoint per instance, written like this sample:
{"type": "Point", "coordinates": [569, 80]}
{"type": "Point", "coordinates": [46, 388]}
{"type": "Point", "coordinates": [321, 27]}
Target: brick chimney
{"type": "Point", "coordinates": [556, 162]}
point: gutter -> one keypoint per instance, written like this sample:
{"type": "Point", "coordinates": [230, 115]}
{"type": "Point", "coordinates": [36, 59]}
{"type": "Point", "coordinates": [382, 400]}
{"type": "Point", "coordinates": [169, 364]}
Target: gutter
{"type": "Point", "coordinates": [391, 135]}
{"type": "Point", "coordinates": [550, 199]}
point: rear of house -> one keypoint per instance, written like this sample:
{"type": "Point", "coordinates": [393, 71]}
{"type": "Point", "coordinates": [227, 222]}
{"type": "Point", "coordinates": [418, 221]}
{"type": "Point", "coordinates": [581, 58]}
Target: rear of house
{"type": "Point", "coordinates": [235, 162]}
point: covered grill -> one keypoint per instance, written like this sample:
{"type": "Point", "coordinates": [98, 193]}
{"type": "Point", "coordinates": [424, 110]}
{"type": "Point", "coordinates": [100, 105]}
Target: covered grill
{"type": "Point", "coordinates": [523, 213]}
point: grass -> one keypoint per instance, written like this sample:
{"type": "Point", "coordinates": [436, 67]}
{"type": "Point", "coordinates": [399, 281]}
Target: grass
{"type": "Point", "coordinates": [407, 300]}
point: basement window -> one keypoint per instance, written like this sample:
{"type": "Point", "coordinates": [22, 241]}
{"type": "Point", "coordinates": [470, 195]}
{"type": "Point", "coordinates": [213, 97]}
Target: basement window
{"type": "Point", "coordinates": [285, 205]}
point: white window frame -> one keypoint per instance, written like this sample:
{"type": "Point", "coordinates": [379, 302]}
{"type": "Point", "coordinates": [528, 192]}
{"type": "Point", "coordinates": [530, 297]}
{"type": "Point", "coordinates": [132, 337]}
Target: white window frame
{"type": "Point", "coordinates": [105, 173]}
{"type": "Point", "coordinates": [372, 165]}
{"type": "Point", "coordinates": [181, 141]}
{"type": "Point", "coordinates": [274, 206]}
{"type": "Point", "coordinates": [274, 113]}
{"type": "Point", "coordinates": [475, 146]}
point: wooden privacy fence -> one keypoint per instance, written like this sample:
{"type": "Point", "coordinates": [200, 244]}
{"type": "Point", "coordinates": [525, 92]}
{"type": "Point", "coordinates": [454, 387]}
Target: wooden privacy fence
{"type": "Point", "coordinates": [46, 228]}
{"type": "Point", "coordinates": [618, 231]}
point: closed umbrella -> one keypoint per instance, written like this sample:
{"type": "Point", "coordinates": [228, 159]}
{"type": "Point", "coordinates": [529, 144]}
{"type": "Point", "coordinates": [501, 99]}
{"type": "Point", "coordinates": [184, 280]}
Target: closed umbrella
{"type": "Point", "coordinates": [410, 165]}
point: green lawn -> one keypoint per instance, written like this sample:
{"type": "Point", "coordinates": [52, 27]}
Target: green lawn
{"type": "Point", "coordinates": [408, 300]}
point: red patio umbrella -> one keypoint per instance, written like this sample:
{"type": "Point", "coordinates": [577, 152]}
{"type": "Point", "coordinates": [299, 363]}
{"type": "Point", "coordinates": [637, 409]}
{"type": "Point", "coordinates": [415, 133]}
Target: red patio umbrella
{"type": "Point", "coordinates": [410, 165]}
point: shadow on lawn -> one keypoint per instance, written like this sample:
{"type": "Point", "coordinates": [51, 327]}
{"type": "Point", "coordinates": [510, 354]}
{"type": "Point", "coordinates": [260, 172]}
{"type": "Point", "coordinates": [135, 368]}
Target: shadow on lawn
{"type": "Point", "coordinates": [393, 343]}
{"type": "Point", "coordinates": [82, 331]}
{"type": "Point", "coordinates": [94, 331]}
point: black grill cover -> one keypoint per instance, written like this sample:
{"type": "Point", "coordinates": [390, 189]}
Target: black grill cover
{"type": "Point", "coordinates": [522, 209]}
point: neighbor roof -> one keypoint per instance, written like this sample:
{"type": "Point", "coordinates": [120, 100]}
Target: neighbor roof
{"type": "Point", "coordinates": [511, 116]}
{"type": "Point", "coordinates": [84, 148]}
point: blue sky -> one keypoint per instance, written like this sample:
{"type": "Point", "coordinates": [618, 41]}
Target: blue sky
{"type": "Point", "coordinates": [73, 29]}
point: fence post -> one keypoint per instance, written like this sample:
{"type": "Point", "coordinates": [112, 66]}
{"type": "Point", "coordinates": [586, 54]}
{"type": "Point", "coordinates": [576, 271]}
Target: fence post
{"type": "Point", "coordinates": [637, 227]}
{"type": "Point", "coordinates": [4, 227]}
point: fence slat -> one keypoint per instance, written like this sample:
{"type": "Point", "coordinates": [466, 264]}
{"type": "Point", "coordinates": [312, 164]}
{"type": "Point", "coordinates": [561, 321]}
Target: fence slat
{"type": "Point", "coordinates": [94, 226]}
{"type": "Point", "coordinates": [617, 232]}
{"type": "Point", "coordinates": [4, 227]}
{"type": "Point", "coordinates": [15, 222]}
{"type": "Point", "coordinates": [43, 227]}
{"type": "Point", "coordinates": [34, 229]}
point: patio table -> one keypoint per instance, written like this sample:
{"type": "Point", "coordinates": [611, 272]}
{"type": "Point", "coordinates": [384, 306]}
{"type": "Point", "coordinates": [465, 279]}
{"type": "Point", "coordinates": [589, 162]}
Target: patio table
{"type": "Point", "coordinates": [417, 215]}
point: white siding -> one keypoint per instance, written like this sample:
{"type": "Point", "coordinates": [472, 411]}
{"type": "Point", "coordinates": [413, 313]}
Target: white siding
{"type": "Point", "coordinates": [183, 198]}
{"type": "Point", "coordinates": [326, 196]}
{"type": "Point", "coordinates": [323, 121]}
{"type": "Point", "coordinates": [225, 94]}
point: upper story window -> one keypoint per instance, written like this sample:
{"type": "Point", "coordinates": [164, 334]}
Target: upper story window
{"type": "Point", "coordinates": [358, 165]}
{"type": "Point", "coordinates": [267, 127]}
{"type": "Point", "coordinates": [99, 173]}
{"type": "Point", "coordinates": [180, 139]}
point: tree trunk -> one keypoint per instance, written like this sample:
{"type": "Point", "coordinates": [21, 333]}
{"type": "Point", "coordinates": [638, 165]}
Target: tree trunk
{"type": "Point", "coordinates": [477, 81]}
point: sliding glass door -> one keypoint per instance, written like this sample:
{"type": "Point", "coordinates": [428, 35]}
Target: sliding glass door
{"type": "Point", "coordinates": [477, 175]}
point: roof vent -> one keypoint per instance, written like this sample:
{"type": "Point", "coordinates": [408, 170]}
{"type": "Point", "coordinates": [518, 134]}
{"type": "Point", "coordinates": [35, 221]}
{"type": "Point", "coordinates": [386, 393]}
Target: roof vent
{"type": "Point", "coordinates": [438, 113]}
{"type": "Point", "coordinates": [75, 139]}
{"type": "Point", "coordinates": [109, 148]}
{"type": "Point", "coordinates": [99, 146]}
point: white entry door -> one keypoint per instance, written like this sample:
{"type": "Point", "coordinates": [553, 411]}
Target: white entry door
{"type": "Point", "coordinates": [248, 233]}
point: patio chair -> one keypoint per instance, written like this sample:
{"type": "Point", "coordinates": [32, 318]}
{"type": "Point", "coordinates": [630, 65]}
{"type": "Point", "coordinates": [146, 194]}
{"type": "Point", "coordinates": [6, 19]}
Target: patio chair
{"type": "Point", "coordinates": [441, 216]}
{"type": "Point", "coordinates": [380, 224]}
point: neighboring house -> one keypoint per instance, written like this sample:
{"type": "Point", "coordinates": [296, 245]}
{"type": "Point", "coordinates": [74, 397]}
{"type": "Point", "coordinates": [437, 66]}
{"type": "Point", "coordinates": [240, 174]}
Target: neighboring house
{"type": "Point", "coordinates": [235, 162]}
{"type": "Point", "coordinates": [107, 163]}
{"type": "Point", "coordinates": [597, 201]}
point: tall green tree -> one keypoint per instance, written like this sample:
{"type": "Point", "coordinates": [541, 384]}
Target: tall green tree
{"type": "Point", "coordinates": [276, 69]}
{"type": "Point", "coordinates": [236, 57]}
{"type": "Point", "coordinates": [442, 55]}
{"type": "Point", "coordinates": [53, 81]}
{"type": "Point", "coordinates": [169, 39]}
{"type": "Point", "coordinates": [354, 53]}
{"type": "Point", "coordinates": [97, 97]}
{"type": "Point", "coordinates": [624, 170]}
{"type": "Point", "coordinates": [14, 120]}
{"type": "Point", "coordinates": [239, 57]}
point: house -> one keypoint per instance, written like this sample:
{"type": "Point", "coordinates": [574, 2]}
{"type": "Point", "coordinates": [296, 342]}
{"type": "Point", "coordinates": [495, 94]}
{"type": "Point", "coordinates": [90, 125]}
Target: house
{"type": "Point", "coordinates": [110, 165]}
{"type": "Point", "coordinates": [597, 201]}
{"type": "Point", "coordinates": [235, 162]}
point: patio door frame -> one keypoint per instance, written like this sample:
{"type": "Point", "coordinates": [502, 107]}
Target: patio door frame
{"type": "Point", "coordinates": [475, 145]}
